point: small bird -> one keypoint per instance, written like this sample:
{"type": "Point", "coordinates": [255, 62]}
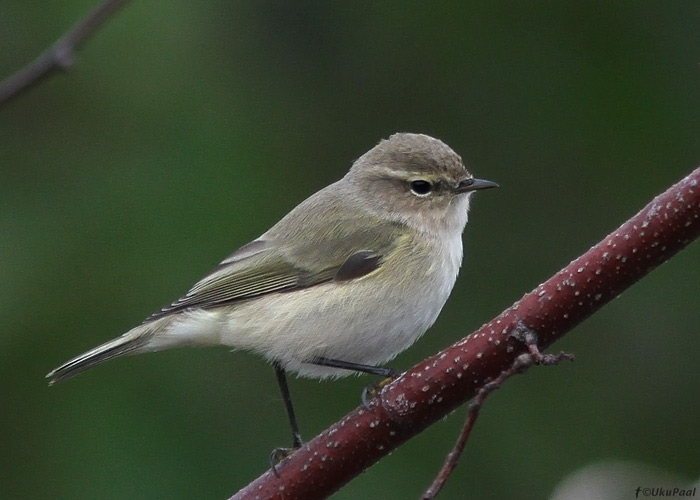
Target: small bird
{"type": "Point", "coordinates": [348, 279]}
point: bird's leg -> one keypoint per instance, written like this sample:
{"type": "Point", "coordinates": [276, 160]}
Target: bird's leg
{"type": "Point", "coordinates": [382, 371]}
{"type": "Point", "coordinates": [278, 454]}
{"type": "Point", "coordinates": [369, 391]}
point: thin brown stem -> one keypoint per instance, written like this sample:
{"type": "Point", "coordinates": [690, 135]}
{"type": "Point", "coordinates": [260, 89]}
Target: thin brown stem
{"type": "Point", "coordinates": [520, 365]}
{"type": "Point", "coordinates": [472, 415]}
{"type": "Point", "coordinates": [61, 55]}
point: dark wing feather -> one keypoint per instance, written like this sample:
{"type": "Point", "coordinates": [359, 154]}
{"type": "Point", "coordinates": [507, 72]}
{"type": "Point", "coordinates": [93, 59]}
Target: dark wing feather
{"type": "Point", "coordinates": [358, 264]}
{"type": "Point", "coordinates": [245, 275]}
{"type": "Point", "coordinates": [270, 264]}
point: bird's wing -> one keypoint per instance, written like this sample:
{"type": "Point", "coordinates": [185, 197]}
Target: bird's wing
{"type": "Point", "coordinates": [270, 265]}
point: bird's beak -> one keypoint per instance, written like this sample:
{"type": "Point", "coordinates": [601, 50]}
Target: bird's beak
{"type": "Point", "coordinates": [474, 184]}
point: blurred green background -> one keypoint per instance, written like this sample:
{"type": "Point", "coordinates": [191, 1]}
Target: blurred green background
{"type": "Point", "coordinates": [188, 128]}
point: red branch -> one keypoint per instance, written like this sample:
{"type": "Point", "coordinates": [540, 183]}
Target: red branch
{"type": "Point", "coordinates": [430, 390]}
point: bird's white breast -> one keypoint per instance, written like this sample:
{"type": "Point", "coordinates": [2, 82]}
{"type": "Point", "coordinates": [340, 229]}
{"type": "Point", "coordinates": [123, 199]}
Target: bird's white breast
{"type": "Point", "coordinates": [369, 320]}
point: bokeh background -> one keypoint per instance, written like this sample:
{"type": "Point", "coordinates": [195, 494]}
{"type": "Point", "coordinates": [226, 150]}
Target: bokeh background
{"type": "Point", "coordinates": [188, 128]}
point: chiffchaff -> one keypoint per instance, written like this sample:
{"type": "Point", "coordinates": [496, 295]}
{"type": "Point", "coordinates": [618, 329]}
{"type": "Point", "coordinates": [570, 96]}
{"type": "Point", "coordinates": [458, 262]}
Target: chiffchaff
{"type": "Point", "coordinates": [347, 280]}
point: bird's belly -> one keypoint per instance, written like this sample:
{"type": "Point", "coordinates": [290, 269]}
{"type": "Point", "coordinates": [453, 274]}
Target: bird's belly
{"type": "Point", "coordinates": [361, 322]}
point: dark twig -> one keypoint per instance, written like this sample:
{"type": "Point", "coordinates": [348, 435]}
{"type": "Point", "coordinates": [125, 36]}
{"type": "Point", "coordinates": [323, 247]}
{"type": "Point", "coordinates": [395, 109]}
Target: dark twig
{"type": "Point", "coordinates": [433, 388]}
{"type": "Point", "coordinates": [61, 55]}
{"type": "Point", "coordinates": [520, 365]}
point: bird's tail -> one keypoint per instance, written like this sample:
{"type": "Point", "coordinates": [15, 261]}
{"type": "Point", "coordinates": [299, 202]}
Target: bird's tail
{"type": "Point", "coordinates": [133, 341]}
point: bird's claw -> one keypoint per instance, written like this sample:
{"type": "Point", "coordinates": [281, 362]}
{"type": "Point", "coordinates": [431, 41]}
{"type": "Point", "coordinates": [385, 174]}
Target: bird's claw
{"type": "Point", "coordinates": [279, 454]}
{"type": "Point", "coordinates": [372, 390]}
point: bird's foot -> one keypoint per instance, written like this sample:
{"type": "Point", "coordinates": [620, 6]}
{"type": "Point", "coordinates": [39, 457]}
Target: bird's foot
{"type": "Point", "coordinates": [373, 390]}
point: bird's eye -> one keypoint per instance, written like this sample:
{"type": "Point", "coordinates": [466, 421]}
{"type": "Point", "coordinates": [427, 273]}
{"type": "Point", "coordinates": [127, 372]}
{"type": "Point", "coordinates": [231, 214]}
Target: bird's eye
{"type": "Point", "coordinates": [421, 187]}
